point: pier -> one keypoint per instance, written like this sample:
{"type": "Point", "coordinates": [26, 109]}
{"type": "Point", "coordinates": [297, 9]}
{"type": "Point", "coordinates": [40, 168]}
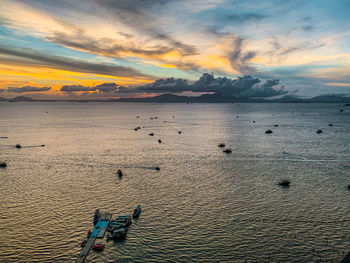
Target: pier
{"type": "Point", "coordinates": [98, 232]}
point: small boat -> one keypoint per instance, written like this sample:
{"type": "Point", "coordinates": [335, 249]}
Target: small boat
{"type": "Point", "coordinates": [137, 211]}
{"type": "Point", "coordinates": [120, 173]}
{"type": "Point", "coordinates": [227, 151]}
{"type": "Point", "coordinates": [96, 216]}
{"type": "Point", "coordinates": [98, 246]}
{"type": "Point", "coordinates": [221, 145]}
{"type": "Point", "coordinates": [83, 243]}
{"type": "Point", "coordinates": [268, 131]}
{"type": "Point", "coordinates": [117, 225]}
{"type": "Point", "coordinates": [119, 233]}
{"type": "Point", "coordinates": [179, 132]}
{"type": "Point", "coordinates": [157, 168]}
{"type": "Point", "coordinates": [18, 146]}
{"type": "Point", "coordinates": [151, 134]}
{"type": "Point", "coordinates": [284, 183]}
{"type": "Point", "coordinates": [160, 141]}
{"type": "Point", "coordinates": [3, 165]}
{"type": "Point", "coordinates": [126, 220]}
{"type": "Point", "coordinates": [319, 131]}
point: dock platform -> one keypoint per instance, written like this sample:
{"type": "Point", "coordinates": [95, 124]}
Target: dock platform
{"type": "Point", "coordinates": [98, 232]}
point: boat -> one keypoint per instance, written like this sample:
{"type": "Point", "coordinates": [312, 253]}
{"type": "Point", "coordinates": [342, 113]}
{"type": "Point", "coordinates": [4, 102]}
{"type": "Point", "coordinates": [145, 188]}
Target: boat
{"type": "Point", "coordinates": [83, 243]}
{"type": "Point", "coordinates": [268, 131]}
{"type": "Point", "coordinates": [119, 233]}
{"type": "Point", "coordinates": [137, 211]}
{"type": "Point", "coordinates": [120, 173]}
{"type": "Point", "coordinates": [98, 246]}
{"type": "Point", "coordinates": [221, 145]}
{"type": "Point", "coordinates": [284, 183]}
{"type": "Point", "coordinates": [125, 220]}
{"type": "Point", "coordinates": [3, 165]}
{"type": "Point", "coordinates": [227, 151]}
{"type": "Point", "coordinates": [96, 216]}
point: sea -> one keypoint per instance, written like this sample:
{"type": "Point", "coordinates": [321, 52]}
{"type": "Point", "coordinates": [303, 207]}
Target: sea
{"type": "Point", "coordinates": [203, 205]}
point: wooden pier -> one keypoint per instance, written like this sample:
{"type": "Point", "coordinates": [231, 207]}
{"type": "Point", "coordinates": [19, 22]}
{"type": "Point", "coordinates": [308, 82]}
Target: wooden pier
{"type": "Point", "coordinates": [98, 232]}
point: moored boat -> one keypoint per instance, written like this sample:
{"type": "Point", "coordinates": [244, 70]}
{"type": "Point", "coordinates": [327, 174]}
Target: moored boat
{"type": "Point", "coordinates": [119, 233]}
{"type": "Point", "coordinates": [137, 211]}
{"type": "Point", "coordinates": [125, 220]}
{"type": "Point", "coordinates": [98, 246]}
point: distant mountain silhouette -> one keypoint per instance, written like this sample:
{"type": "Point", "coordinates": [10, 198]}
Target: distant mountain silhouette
{"type": "Point", "coordinates": [218, 98]}
{"type": "Point", "coordinates": [212, 98]}
{"type": "Point", "coordinates": [21, 98]}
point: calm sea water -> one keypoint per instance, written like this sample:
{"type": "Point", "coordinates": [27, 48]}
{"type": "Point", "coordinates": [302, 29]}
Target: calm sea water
{"type": "Point", "coordinates": [202, 206]}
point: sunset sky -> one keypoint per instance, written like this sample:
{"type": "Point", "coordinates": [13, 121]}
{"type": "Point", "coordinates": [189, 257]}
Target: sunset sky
{"type": "Point", "coordinates": [104, 48]}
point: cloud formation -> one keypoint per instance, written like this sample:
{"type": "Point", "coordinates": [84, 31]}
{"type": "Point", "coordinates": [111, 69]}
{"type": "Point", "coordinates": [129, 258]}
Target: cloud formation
{"type": "Point", "coordinates": [28, 89]}
{"type": "Point", "coordinates": [102, 88]}
{"type": "Point", "coordinates": [35, 58]}
{"type": "Point", "coordinates": [243, 87]}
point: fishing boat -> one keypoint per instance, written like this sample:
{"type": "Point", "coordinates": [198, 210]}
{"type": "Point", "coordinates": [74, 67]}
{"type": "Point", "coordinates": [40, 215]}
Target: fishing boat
{"type": "Point", "coordinates": [125, 220]}
{"type": "Point", "coordinates": [96, 216]}
{"type": "Point", "coordinates": [83, 243]}
{"type": "Point", "coordinates": [137, 211]}
{"type": "Point", "coordinates": [119, 233]}
{"type": "Point", "coordinates": [98, 246]}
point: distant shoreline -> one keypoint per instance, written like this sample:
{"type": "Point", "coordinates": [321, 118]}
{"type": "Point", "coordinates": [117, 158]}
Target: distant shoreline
{"type": "Point", "coordinates": [215, 98]}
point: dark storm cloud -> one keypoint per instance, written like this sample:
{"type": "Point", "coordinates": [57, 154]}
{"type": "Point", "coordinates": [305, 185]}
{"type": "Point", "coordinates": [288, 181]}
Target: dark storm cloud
{"type": "Point", "coordinates": [34, 58]}
{"type": "Point", "coordinates": [166, 85]}
{"type": "Point", "coordinates": [75, 88]}
{"type": "Point", "coordinates": [104, 87]}
{"type": "Point", "coordinates": [246, 86]}
{"type": "Point", "coordinates": [107, 87]}
{"type": "Point", "coordinates": [28, 89]}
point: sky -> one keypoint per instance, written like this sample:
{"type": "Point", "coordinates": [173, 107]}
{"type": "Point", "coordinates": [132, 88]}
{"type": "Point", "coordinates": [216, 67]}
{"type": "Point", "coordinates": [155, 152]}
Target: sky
{"type": "Point", "coordinates": [99, 49]}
